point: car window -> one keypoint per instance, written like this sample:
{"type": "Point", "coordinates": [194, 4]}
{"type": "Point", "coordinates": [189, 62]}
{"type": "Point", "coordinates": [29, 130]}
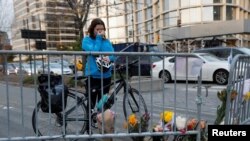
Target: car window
{"type": "Point", "coordinates": [245, 50]}
{"type": "Point", "coordinates": [222, 53]}
{"type": "Point", "coordinates": [235, 52]}
{"type": "Point", "coordinates": [210, 57]}
{"type": "Point", "coordinates": [172, 60]}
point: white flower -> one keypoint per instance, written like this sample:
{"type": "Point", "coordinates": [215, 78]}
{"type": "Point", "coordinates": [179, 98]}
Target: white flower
{"type": "Point", "coordinates": [180, 122]}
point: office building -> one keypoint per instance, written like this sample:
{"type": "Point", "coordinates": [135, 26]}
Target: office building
{"type": "Point", "coordinates": [176, 23]}
{"type": "Point", "coordinates": [51, 16]}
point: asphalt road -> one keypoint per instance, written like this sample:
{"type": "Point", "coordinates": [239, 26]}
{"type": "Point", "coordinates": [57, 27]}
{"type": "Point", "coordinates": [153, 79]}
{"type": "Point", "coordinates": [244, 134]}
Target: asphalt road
{"type": "Point", "coordinates": [17, 104]}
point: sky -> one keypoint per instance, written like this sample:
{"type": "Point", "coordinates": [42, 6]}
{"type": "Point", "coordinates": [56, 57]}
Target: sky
{"type": "Point", "coordinates": [6, 16]}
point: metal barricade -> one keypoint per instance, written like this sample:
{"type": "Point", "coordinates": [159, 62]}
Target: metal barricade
{"type": "Point", "coordinates": [238, 106]}
{"type": "Point", "coordinates": [179, 103]}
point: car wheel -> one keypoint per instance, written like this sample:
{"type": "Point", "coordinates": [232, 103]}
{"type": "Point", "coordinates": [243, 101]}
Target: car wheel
{"type": "Point", "coordinates": [165, 76]}
{"type": "Point", "coordinates": [221, 77]}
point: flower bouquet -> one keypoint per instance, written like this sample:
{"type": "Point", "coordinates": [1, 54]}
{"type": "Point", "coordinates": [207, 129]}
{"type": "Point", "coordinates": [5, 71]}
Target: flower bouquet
{"type": "Point", "coordinates": [106, 119]}
{"type": "Point", "coordinates": [181, 124]}
{"type": "Point", "coordinates": [191, 124]}
{"type": "Point", "coordinates": [221, 109]}
{"type": "Point", "coordinates": [165, 124]}
{"type": "Point", "coordinates": [137, 125]}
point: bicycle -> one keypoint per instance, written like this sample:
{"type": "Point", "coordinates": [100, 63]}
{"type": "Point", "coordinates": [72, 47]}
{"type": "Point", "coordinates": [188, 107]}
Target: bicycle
{"type": "Point", "coordinates": [74, 117]}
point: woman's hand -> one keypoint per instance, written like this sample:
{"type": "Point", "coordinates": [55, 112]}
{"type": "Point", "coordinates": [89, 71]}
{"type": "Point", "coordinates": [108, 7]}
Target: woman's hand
{"type": "Point", "coordinates": [101, 32]}
{"type": "Point", "coordinates": [106, 59]}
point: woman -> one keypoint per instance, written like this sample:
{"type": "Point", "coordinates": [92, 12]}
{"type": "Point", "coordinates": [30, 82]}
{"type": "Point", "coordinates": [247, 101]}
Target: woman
{"type": "Point", "coordinates": [98, 75]}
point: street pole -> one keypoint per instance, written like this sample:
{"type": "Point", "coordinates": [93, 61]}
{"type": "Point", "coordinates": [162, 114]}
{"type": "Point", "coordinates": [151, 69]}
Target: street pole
{"type": "Point", "coordinates": [107, 9]}
{"type": "Point", "coordinates": [40, 26]}
{"type": "Point", "coordinates": [30, 57]}
{"type": "Point", "coordinates": [97, 8]}
{"type": "Point", "coordinates": [132, 20]}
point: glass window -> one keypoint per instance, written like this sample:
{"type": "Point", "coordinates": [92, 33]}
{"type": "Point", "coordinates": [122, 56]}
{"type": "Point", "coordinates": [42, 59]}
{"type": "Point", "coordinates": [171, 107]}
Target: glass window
{"type": "Point", "coordinates": [195, 14]}
{"type": "Point", "coordinates": [207, 13]}
{"type": "Point", "coordinates": [207, 1]}
{"type": "Point", "coordinates": [128, 6]}
{"type": "Point", "coordinates": [129, 19]}
{"type": "Point", "coordinates": [229, 13]}
{"type": "Point", "coordinates": [217, 1]}
{"type": "Point", "coordinates": [148, 2]}
{"type": "Point", "coordinates": [185, 3]}
{"type": "Point", "coordinates": [217, 13]}
{"type": "Point", "coordinates": [148, 13]}
{"type": "Point", "coordinates": [139, 4]}
{"type": "Point", "coordinates": [141, 38]}
{"type": "Point", "coordinates": [116, 21]}
{"type": "Point", "coordinates": [194, 2]}
{"type": "Point", "coordinates": [191, 15]}
{"type": "Point", "coordinates": [149, 26]}
{"type": "Point", "coordinates": [140, 27]}
{"type": "Point", "coordinates": [166, 19]}
{"type": "Point", "coordinates": [173, 4]}
{"type": "Point", "coordinates": [172, 19]}
{"type": "Point", "coordinates": [139, 16]}
{"type": "Point", "coordinates": [229, 1]}
{"type": "Point", "coordinates": [165, 5]}
{"type": "Point", "coordinates": [117, 33]}
{"type": "Point", "coordinates": [157, 22]}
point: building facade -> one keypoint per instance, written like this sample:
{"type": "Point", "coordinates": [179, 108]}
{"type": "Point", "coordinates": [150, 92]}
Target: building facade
{"type": "Point", "coordinates": [52, 16]}
{"type": "Point", "coordinates": [177, 24]}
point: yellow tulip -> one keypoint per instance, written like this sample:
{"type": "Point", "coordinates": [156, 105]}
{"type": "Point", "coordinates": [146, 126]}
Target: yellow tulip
{"type": "Point", "coordinates": [167, 116]}
{"type": "Point", "coordinates": [247, 96]}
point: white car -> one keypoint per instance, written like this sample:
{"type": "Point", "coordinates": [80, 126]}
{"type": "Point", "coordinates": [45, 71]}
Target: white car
{"type": "Point", "coordinates": [189, 68]}
{"type": "Point", "coordinates": [54, 68]}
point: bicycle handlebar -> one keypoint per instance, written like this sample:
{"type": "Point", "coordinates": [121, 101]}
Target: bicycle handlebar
{"type": "Point", "coordinates": [123, 66]}
{"type": "Point", "coordinates": [118, 68]}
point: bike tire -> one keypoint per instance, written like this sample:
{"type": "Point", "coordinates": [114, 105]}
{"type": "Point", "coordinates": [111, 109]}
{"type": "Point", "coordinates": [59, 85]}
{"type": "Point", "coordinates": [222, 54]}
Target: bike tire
{"type": "Point", "coordinates": [45, 124]}
{"type": "Point", "coordinates": [129, 102]}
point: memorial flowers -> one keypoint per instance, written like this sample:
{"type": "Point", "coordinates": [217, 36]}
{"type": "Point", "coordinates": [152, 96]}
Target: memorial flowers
{"type": "Point", "coordinates": [221, 109]}
{"type": "Point", "coordinates": [136, 124]}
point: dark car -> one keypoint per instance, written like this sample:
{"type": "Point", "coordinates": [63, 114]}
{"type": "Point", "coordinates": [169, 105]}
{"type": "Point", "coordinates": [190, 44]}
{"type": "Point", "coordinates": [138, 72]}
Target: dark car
{"type": "Point", "coordinates": [144, 61]}
{"type": "Point", "coordinates": [224, 52]}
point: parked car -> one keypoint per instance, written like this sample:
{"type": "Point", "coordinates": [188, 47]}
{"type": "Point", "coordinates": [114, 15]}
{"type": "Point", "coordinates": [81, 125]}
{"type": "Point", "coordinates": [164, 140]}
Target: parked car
{"type": "Point", "coordinates": [27, 69]}
{"type": "Point", "coordinates": [65, 63]}
{"type": "Point", "coordinates": [11, 69]}
{"type": "Point", "coordinates": [144, 61]}
{"type": "Point", "coordinates": [213, 68]}
{"type": "Point", "coordinates": [54, 68]}
{"type": "Point", "coordinates": [224, 52]}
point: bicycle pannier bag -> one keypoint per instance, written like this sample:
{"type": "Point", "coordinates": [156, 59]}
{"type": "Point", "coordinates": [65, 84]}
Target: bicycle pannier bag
{"type": "Point", "coordinates": [52, 95]}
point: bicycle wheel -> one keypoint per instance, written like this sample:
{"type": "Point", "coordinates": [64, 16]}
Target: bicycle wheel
{"type": "Point", "coordinates": [52, 123]}
{"type": "Point", "coordinates": [133, 103]}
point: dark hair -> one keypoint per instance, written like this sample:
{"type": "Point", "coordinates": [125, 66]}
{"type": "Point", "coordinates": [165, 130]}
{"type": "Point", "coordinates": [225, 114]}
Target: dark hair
{"type": "Point", "coordinates": [94, 22]}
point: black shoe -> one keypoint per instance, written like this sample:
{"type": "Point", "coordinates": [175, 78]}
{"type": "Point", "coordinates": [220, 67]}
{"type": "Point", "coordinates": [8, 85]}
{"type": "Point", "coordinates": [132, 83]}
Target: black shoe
{"type": "Point", "coordinates": [94, 120]}
{"type": "Point", "coordinates": [59, 122]}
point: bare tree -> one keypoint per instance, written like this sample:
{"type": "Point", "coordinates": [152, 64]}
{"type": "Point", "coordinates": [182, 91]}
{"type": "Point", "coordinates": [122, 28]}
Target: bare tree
{"type": "Point", "coordinates": [81, 10]}
{"type": "Point", "coordinates": [6, 15]}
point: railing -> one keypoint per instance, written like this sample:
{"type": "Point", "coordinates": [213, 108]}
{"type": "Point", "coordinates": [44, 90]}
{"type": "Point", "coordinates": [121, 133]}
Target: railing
{"type": "Point", "coordinates": [181, 101]}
